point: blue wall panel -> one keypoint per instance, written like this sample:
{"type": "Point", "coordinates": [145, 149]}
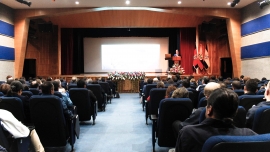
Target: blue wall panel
{"type": "Point", "coordinates": [256, 51]}
{"type": "Point", "coordinates": [6, 53]}
{"type": "Point", "coordinates": [258, 24]}
{"type": "Point", "coordinates": [6, 29]}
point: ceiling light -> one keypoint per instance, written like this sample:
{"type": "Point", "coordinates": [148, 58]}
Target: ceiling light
{"type": "Point", "coordinates": [264, 3]}
{"type": "Point", "coordinates": [235, 2]}
{"type": "Point", "coordinates": [77, 2]}
{"type": "Point", "coordinates": [179, 2]}
{"type": "Point", "coordinates": [24, 2]}
{"type": "Point", "coordinates": [127, 2]}
{"type": "Point", "coordinates": [229, 3]}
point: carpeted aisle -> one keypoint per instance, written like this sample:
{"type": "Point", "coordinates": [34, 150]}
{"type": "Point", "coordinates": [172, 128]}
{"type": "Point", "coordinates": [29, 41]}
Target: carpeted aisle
{"type": "Point", "coordinates": [121, 128]}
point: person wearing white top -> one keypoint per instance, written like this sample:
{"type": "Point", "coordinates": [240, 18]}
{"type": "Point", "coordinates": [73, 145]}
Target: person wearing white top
{"type": "Point", "coordinates": [18, 130]}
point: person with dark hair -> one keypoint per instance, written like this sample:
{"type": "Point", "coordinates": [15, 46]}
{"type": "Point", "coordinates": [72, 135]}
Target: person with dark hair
{"type": "Point", "coordinates": [4, 88]}
{"type": "Point", "coordinates": [253, 109]}
{"type": "Point", "coordinates": [48, 89]}
{"type": "Point", "coordinates": [236, 85]}
{"type": "Point", "coordinates": [160, 84]}
{"type": "Point", "coordinates": [221, 107]}
{"type": "Point", "coordinates": [16, 88]}
{"type": "Point", "coordinates": [186, 83]}
{"type": "Point", "coordinates": [250, 87]}
{"type": "Point", "coordinates": [205, 80]}
{"type": "Point", "coordinates": [220, 79]}
{"type": "Point", "coordinates": [149, 81]}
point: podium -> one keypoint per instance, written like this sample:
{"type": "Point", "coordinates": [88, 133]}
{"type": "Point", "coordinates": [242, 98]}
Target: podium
{"type": "Point", "coordinates": [176, 59]}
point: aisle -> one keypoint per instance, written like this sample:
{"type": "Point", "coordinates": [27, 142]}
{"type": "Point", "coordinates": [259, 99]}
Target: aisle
{"type": "Point", "coordinates": [121, 128]}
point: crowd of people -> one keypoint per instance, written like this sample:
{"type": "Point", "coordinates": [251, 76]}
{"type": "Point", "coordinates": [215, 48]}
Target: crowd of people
{"type": "Point", "coordinates": [220, 96]}
{"type": "Point", "coordinates": [221, 100]}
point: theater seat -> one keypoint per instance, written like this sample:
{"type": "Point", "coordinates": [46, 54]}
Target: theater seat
{"type": "Point", "coordinates": [261, 122]}
{"type": "Point", "coordinates": [170, 109]}
{"type": "Point", "coordinates": [53, 129]}
{"type": "Point", "coordinates": [225, 143]}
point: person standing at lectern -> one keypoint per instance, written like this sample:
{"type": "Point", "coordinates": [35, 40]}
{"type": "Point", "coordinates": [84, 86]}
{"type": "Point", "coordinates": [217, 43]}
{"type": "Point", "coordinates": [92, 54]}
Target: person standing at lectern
{"type": "Point", "coordinates": [176, 53]}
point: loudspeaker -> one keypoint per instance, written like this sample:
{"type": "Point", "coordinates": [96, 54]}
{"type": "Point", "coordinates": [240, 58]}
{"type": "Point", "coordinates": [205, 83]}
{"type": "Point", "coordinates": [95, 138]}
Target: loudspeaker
{"type": "Point", "coordinates": [45, 27]}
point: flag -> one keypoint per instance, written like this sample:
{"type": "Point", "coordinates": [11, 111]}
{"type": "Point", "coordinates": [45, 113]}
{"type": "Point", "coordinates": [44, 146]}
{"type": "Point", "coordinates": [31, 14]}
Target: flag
{"type": "Point", "coordinates": [195, 64]}
{"type": "Point", "coordinates": [206, 57]}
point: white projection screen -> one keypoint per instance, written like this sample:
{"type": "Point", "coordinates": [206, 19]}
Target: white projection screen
{"type": "Point", "coordinates": [125, 54]}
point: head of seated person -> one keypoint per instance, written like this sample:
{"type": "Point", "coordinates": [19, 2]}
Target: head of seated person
{"type": "Point", "coordinates": [186, 83]}
{"type": "Point", "coordinates": [95, 82]}
{"type": "Point", "coordinates": [47, 88]}
{"type": "Point", "coordinates": [81, 83]}
{"type": "Point", "coordinates": [103, 79]}
{"type": "Point", "coordinates": [251, 87]}
{"type": "Point", "coordinates": [210, 87]}
{"type": "Point", "coordinates": [222, 104]}
{"type": "Point", "coordinates": [55, 85]}
{"type": "Point", "coordinates": [236, 85]}
{"type": "Point", "coordinates": [180, 93]}
{"type": "Point", "coordinates": [149, 81]}
{"type": "Point", "coordinates": [4, 88]}
{"type": "Point", "coordinates": [16, 88]}
{"type": "Point", "coordinates": [160, 84]}
{"type": "Point", "coordinates": [34, 84]}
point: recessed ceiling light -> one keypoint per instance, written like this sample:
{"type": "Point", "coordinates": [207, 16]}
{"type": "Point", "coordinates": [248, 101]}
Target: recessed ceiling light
{"type": "Point", "coordinates": [179, 2]}
{"type": "Point", "coordinates": [229, 3]}
{"type": "Point", "coordinates": [77, 2]}
{"type": "Point", "coordinates": [127, 2]}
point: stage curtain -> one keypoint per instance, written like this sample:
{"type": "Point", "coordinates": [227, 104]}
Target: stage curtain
{"type": "Point", "coordinates": [66, 51]}
{"type": "Point", "coordinates": [187, 46]}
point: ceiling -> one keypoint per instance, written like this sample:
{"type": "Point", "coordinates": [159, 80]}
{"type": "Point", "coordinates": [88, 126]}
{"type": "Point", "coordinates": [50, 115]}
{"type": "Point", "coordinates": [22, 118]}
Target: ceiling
{"type": "Point", "coordinates": [121, 3]}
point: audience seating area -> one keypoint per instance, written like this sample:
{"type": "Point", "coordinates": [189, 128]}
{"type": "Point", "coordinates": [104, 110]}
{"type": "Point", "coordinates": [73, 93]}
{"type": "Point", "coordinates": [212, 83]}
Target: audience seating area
{"type": "Point", "coordinates": [55, 130]}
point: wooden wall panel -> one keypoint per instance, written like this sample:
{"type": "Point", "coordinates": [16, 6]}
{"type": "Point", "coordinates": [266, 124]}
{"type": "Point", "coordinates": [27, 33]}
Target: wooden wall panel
{"type": "Point", "coordinates": [45, 51]}
{"type": "Point", "coordinates": [143, 17]}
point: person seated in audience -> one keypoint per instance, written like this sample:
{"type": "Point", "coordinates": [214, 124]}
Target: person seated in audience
{"type": "Point", "coordinates": [159, 85]}
{"type": "Point", "coordinates": [194, 117]}
{"type": "Point", "coordinates": [250, 87]}
{"type": "Point", "coordinates": [193, 83]}
{"type": "Point", "coordinates": [48, 89]}
{"type": "Point", "coordinates": [253, 109]}
{"type": "Point", "coordinates": [155, 80]}
{"type": "Point", "coordinates": [212, 79]}
{"type": "Point", "coordinates": [16, 88]}
{"type": "Point", "coordinates": [221, 107]}
{"type": "Point", "coordinates": [65, 97]}
{"type": "Point", "coordinates": [149, 81]}
{"type": "Point", "coordinates": [236, 79]}
{"type": "Point", "coordinates": [180, 93]}
{"type": "Point", "coordinates": [18, 130]}
{"type": "Point", "coordinates": [73, 80]}
{"type": "Point", "coordinates": [4, 88]}
{"type": "Point", "coordinates": [169, 90]}
{"type": "Point", "coordinates": [186, 84]}
{"type": "Point", "coordinates": [236, 85]}
{"type": "Point", "coordinates": [205, 80]}
{"type": "Point", "coordinates": [81, 84]}
{"type": "Point", "coordinates": [9, 80]}
{"type": "Point", "coordinates": [34, 84]}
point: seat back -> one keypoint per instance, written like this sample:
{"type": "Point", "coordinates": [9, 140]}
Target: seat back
{"type": "Point", "coordinates": [48, 118]}
{"type": "Point", "coordinates": [171, 109]}
{"type": "Point", "coordinates": [106, 87]}
{"type": "Point", "coordinates": [202, 102]}
{"type": "Point", "coordinates": [247, 101]}
{"type": "Point", "coordinates": [96, 89]}
{"type": "Point", "coordinates": [156, 95]}
{"type": "Point", "coordinates": [27, 93]}
{"type": "Point", "coordinates": [35, 91]}
{"type": "Point", "coordinates": [81, 99]}
{"type": "Point", "coordinates": [58, 94]}
{"type": "Point", "coordinates": [112, 86]}
{"type": "Point", "coordinates": [13, 105]}
{"type": "Point", "coordinates": [1, 94]}
{"type": "Point", "coordinates": [239, 119]}
{"type": "Point", "coordinates": [225, 143]}
{"type": "Point", "coordinates": [148, 88]}
{"type": "Point", "coordinates": [72, 85]}
{"type": "Point", "coordinates": [239, 92]}
{"type": "Point", "coordinates": [261, 122]}
{"type": "Point", "coordinates": [260, 92]}
{"type": "Point", "coordinates": [3, 139]}
{"type": "Point", "coordinates": [201, 95]}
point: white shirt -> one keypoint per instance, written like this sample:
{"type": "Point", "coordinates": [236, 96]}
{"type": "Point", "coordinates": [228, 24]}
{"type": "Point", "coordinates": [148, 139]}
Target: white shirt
{"type": "Point", "coordinates": [12, 125]}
